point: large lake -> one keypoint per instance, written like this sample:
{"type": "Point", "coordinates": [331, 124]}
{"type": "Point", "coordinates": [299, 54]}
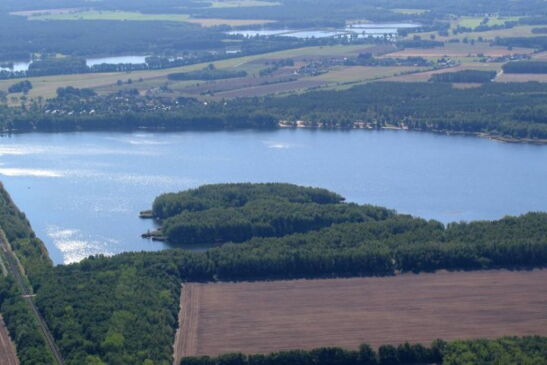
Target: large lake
{"type": "Point", "coordinates": [83, 191]}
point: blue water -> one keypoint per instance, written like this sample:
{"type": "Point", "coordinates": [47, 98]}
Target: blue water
{"type": "Point", "coordinates": [83, 191]}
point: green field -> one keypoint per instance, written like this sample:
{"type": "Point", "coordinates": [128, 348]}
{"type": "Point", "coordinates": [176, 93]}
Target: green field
{"type": "Point", "coordinates": [474, 22]}
{"type": "Point", "coordinates": [113, 15]}
{"type": "Point", "coordinates": [136, 16]}
{"type": "Point", "coordinates": [46, 86]}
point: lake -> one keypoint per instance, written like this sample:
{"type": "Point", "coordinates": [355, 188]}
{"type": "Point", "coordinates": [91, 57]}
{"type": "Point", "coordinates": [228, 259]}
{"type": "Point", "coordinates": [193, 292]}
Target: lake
{"type": "Point", "coordinates": [134, 60]}
{"type": "Point", "coordinates": [83, 191]}
{"type": "Point", "coordinates": [360, 29]}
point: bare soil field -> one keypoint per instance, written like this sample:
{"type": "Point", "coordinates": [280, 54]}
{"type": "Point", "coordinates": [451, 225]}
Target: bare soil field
{"type": "Point", "coordinates": [260, 317]}
{"type": "Point", "coordinates": [8, 355]}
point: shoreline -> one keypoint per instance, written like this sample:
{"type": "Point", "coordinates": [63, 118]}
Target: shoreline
{"type": "Point", "coordinates": [293, 125]}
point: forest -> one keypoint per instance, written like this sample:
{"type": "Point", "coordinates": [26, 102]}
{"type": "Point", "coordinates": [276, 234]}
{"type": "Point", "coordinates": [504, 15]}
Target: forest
{"type": "Point", "coordinates": [206, 74]}
{"type": "Point", "coordinates": [238, 212]}
{"type": "Point", "coordinates": [526, 67]}
{"type": "Point", "coordinates": [502, 351]}
{"type": "Point", "coordinates": [20, 321]}
{"type": "Point", "coordinates": [494, 109]}
{"type": "Point", "coordinates": [464, 76]}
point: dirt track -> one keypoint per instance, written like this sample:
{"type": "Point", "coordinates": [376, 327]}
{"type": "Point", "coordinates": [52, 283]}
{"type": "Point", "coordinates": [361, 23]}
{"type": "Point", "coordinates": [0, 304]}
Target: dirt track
{"type": "Point", "coordinates": [7, 349]}
{"type": "Point", "coordinates": [262, 317]}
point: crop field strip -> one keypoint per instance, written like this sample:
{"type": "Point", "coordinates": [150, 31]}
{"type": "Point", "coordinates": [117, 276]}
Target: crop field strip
{"type": "Point", "coordinates": [261, 317]}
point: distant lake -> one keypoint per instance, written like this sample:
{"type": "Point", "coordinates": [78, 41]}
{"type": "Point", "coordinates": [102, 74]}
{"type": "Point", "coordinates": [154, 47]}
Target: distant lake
{"type": "Point", "coordinates": [83, 191]}
{"type": "Point", "coordinates": [135, 60]}
{"type": "Point", "coordinates": [16, 67]}
{"type": "Point", "coordinates": [23, 66]}
{"type": "Point", "coordinates": [372, 29]}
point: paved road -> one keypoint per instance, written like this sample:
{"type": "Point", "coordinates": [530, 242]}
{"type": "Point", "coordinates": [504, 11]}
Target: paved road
{"type": "Point", "coordinates": [13, 268]}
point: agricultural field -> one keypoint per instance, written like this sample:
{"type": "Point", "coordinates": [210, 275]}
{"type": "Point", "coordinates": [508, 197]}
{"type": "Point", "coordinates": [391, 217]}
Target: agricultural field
{"type": "Point", "coordinates": [354, 74]}
{"type": "Point", "coordinates": [426, 75]}
{"type": "Point", "coordinates": [489, 35]}
{"type": "Point", "coordinates": [260, 317]}
{"type": "Point", "coordinates": [46, 86]}
{"type": "Point", "coordinates": [474, 21]}
{"type": "Point", "coordinates": [460, 50]}
{"type": "Point", "coordinates": [110, 15]}
{"type": "Point", "coordinates": [136, 16]}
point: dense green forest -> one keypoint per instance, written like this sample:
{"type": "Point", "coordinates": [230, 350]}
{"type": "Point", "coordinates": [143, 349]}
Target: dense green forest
{"type": "Point", "coordinates": [123, 309]}
{"type": "Point", "coordinates": [238, 212]}
{"type": "Point", "coordinates": [525, 67]}
{"type": "Point", "coordinates": [502, 351]}
{"type": "Point", "coordinates": [208, 73]}
{"type": "Point", "coordinates": [464, 76]}
{"type": "Point", "coordinates": [496, 109]}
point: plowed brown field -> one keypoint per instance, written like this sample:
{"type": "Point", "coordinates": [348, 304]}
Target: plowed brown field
{"type": "Point", "coordinates": [260, 317]}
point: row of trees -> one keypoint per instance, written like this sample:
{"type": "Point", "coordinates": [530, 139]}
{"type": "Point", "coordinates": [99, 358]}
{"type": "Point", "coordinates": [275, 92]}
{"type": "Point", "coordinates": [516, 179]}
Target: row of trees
{"type": "Point", "coordinates": [525, 67]}
{"type": "Point", "coordinates": [206, 74]}
{"type": "Point", "coordinates": [18, 316]}
{"type": "Point", "coordinates": [493, 108]}
{"type": "Point", "coordinates": [503, 351]}
{"type": "Point", "coordinates": [464, 76]}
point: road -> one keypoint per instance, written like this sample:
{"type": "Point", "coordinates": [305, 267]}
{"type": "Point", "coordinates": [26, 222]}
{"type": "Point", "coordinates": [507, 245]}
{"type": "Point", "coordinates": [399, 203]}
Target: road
{"type": "Point", "coordinates": [13, 269]}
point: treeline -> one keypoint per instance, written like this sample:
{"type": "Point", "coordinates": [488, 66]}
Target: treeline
{"type": "Point", "coordinates": [505, 350]}
{"type": "Point", "coordinates": [31, 253]}
{"type": "Point", "coordinates": [464, 76]}
{"type": "Point", "coordinates": [398, 243]}
{"type": "Point", "coordinates": [539, 43]}
{"type": "Point", "coordinates": [243, 211]}
{"type": "Point", "coordinates": [367, 59]}
{"type": "Point", "coordinates": [492, 109]}
{"type": "Point", "coordinates": [525, 67]}
{"type": "Point", "coordinates": [419, 43]}
{"type": "Point", "coordinates": [207, 74]}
